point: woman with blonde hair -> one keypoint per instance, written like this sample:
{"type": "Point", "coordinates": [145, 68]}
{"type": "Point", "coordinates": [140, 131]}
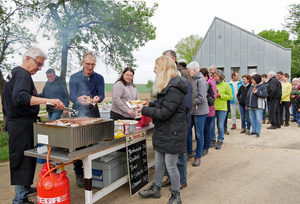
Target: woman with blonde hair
{"type": "Point", "coordinates": [169, 136]}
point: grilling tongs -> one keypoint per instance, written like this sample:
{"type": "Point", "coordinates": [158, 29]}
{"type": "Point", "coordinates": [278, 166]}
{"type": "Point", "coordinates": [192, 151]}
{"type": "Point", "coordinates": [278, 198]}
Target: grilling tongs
{"type": "Point", "coordinates": [74, 112]}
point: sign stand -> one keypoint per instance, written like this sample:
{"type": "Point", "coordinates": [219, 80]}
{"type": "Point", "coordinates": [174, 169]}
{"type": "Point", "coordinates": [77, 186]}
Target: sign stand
{"type": "Point", "coordinates": [136, 149]}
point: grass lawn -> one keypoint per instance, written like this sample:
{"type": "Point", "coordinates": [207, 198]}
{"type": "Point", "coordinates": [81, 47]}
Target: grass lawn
{"type": "Point", "coordinates": [141, 88]}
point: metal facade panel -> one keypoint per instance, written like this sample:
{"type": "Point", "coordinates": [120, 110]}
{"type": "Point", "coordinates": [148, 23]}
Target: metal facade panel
{"type": "Point", "coordinates": [252, 51]}
{"type": "Point", "coordinates": [227, 38]}
{"type": "Point", "coordinates": [244, 42]}
{"type": "Point", "coordinates": [261, 60]}
{"type": "Point", "coordinates": [235, 52]}
{"type": "Point", "coordinates": [205, 52]}
{"type": "Point", "coordinates": [270, 55]}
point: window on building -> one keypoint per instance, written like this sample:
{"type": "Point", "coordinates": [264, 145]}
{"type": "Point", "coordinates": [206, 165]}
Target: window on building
{"type": "Point", "coordinates": [252, 70]}
{"type": "Point", "coordinates": [235, 69]}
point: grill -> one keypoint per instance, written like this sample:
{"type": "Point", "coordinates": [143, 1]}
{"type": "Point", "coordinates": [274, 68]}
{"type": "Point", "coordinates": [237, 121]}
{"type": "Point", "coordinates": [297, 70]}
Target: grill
{"type": "Point", "coordinates": [74, 137]}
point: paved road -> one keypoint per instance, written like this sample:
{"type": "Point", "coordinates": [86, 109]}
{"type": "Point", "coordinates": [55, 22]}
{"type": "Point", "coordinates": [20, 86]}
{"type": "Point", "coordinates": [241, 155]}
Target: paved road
{"type": "Point", "coordinates": [245, 170]}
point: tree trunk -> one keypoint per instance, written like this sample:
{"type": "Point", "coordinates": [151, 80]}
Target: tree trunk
{"type": "Point", "coordinates": [64, 55]}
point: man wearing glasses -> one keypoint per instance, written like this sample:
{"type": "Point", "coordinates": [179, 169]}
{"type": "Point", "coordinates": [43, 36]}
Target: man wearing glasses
{"type": "Point", "coordinates": [55, 88]}
{"type": "Point", "coordinates": [21, 107]}
{"type": "Point", "coordinates": [86, 90]}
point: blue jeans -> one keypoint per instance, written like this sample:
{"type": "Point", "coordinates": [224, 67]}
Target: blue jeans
{"type": "Point", "coordinates": [245, 118]}
{"type": "Point", "coordinates": [207, 134]}
{"type": "Point", "coordinates": [226, 118]}
{"type": "Point", "coordinates": [256, 119]}
{"type": "Point", "coordinates": [20, 193]}
{"type": "Point", "coordinates": [213, 128]}
{"type": "Point", "coordinates": [295, 111]}
{"type": "Point", "coordinates": [181, 165]}
{"type": "Point", "coordinates": [55, 115]}
{"type": "Point", "coordinates": [189, 146]}
{"type": "Point", "coordinates": [199, 122]}
{"type": "Point", "coordinates": [220, 115]}
{"type": "Point", "coordinates": [298, 115]}
{"type": "Point", "coordinates": [170, 160]}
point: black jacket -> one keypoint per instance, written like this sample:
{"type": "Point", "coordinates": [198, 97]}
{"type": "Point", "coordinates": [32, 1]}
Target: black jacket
{"type": "Point", "coordinates": [258, 99]}
{"type": "Point", "coordinates": [170, 132]}
{"type": "Point", "coordinates": [274, 89]}
{"type": "Point", "coordinates": [242, 94]}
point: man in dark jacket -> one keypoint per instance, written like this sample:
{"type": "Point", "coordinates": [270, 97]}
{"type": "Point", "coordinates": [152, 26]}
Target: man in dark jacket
{"type": "Point", "coordinates": [21, 107]}
{"type": "Point", "coordinates": [55, 88]}
{"type": "Point", "coordinates": [274, 95]}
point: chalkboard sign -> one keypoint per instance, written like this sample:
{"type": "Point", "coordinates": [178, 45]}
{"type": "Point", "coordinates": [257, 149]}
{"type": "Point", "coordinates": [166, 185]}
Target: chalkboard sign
{"type": "Point", "coordinates": [137, 166]}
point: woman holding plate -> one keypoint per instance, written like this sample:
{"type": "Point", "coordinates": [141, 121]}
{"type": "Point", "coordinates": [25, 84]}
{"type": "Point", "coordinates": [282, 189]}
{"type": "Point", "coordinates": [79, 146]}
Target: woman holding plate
{"type": "Point", "coordinates": [123, 91]}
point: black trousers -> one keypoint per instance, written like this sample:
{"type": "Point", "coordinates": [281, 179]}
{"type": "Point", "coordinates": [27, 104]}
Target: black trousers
{"type": "Point", "coordinates": [275, 112]}
{"type": "Point", "coordinates": [285, 106]}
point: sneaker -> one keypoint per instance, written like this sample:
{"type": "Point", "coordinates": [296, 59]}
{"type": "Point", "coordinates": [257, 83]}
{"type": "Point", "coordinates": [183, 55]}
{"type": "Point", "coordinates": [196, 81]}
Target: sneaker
{"type": "Point", "coordinates": [286, 125]}
{"type": "Point", "coordinates": [269, 122]}
{"type": "Point", "coordinates": [263, 121]}
{"type": "Point", "coordinates": [226, 132]}
{"type": "Point", "coordinates": [294, 120]}
{"type": "Point", "coordinates": [175, 198]}
{"type": "Point", "coordinates": [243, 131]}
{"type": "Point", "coordinates": [272, 127]}
{"type": "Point", "coordinates": [219, 144]}
{"type": "Point", "coordinates": [247, 132]}
{"type": "Point", "coordinates": [152, 192]}
{"type": "Point", "coordinates": [298, 125]}
{"type": "Point", "coordinates": [189, 156]}
{"type": "Point", "coordinates": [257, 135]}
{"type": "Point", "coordinates": [233, 126]}
{"type": "Point", "coordinates": [31, 191]}
{"type": "Point", "coordinates": [252, 134]}
{"type": "Point", "coordinates": [80, 181]}
{"type": "Point", "coordinates": [212, 143]}
{"type": "Point", "coordinates": [204, 152]}
{"type": "Point", "coordinates": [26, 201]}
{"type": "Point", "coordinates": [166, 183]}
{"type": "Point", "coordinates": [278, 126]}
{"type": "Point", "coordinates": [197, 162]}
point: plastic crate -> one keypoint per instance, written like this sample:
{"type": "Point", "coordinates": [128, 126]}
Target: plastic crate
{"type": "Point", "coordinates": [108, 169]}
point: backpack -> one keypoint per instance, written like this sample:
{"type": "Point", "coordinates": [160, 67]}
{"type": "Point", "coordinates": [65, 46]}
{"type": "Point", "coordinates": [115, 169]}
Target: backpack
{"type": "Point", "coordinates": [210, 96]}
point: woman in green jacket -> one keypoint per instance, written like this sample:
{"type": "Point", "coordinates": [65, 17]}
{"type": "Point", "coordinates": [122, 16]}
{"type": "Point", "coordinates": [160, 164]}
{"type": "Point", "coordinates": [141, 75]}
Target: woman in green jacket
{"type": "Point", "coordinates": [224, 94]}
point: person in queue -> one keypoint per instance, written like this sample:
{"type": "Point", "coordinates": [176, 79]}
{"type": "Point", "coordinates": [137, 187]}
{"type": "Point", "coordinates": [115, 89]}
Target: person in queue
{"type": "Point", "coordinates": [255, 103]}
{"type": "Point", "coordinates": [123, 91]}
{"type": "Point", "coordinates": [182, 157]}
{"type": "Point", "coordinates": [274, 95]}
{"type": "Point", "coordinates": [211, 70]}
{"type": "Point", "coordinates": [211, 115]}
{"type": "Point", "coordinates": [86, 90]}
{"type": "Point", "coordinates": [20, 107]}
{"type": "Point", "coordinates": [169, 136]}
{"type": "Point", "coordinates": [264, 79]}
{"type": "Point", "coordinates": [294, 94]}
{"type": "Point", "coordinates": [279, 76]}
{"type": "Point", "coordinates": [55, 88]}
{"type": "Point", "coordinates": [285, 99]}
{"type": "Point", "coordinates": [241, 97]}
{"type": "Point", "coordinates": [200, 109]}
{"type": "Point", "coordinates": [235, 84]}
{"type": "Point", "coordinates": [224, 94]}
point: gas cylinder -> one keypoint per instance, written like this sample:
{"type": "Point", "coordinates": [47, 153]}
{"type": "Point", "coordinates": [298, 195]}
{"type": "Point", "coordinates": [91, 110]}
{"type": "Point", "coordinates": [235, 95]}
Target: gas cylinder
{"type": "Point", "coordinates": [59, 192]}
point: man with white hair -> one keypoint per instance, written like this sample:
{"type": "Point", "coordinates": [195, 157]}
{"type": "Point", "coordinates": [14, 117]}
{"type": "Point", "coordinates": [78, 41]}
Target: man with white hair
{"type": "Point", "coordinates": [274, 95]}
{"type": "Point", "coordinates": [21, 107]}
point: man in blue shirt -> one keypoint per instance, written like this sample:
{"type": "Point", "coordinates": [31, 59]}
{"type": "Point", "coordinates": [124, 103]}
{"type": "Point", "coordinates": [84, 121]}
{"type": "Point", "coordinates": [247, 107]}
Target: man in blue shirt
{"type": "Point", "coordinates": [86, 90]}
{"type": "Point", "coordinates": [55, 88]}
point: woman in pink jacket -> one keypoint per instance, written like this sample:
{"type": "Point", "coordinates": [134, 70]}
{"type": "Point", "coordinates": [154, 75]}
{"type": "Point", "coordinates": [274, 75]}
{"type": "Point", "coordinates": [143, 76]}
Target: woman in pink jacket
{"type": "Point", "coordinates": [211, 115]}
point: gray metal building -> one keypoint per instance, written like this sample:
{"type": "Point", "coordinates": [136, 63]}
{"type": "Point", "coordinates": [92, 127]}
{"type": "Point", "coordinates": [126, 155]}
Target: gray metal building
{"type": "Point", "coordinates": [232, 48]}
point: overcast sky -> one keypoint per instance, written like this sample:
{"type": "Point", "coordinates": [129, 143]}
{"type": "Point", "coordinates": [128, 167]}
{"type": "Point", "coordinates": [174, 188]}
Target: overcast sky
{"type": "Point", "coordinates": [177, 19]}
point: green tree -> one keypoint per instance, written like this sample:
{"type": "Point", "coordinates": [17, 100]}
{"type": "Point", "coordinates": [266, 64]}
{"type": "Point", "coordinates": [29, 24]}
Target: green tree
{"type": "Point", "coordinates": [280, 37]}
{"type": "Point", "coordinates": [149, 84]}
{"type": "Point", "coordinates": [292, 23]}
{"type": "Point", "coordinates": [113, 29]}
{"type": "Point", "coordinates": [187, 47]}
{"type": "Point", "coordinates": [13, 35]}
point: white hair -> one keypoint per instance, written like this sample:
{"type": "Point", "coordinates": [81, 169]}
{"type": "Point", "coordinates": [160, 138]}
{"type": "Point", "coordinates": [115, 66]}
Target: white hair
{"type": "Point", "coordinates": [213, 67]}
{"type": "Point", "coordinates": [271, 73]}
{"type": "Point", "coordinates": [295, 79]}
{"type": "Point", "coordinates": [193, 65]}
{"type": "Point", "coordinates": [34, 52]}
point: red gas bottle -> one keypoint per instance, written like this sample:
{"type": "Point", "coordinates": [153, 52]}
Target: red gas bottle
{"type": "Point", "coordinates": [54, 188]}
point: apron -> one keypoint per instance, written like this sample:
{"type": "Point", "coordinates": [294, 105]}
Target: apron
{"type": "Point", "coordinates": [22, 168]}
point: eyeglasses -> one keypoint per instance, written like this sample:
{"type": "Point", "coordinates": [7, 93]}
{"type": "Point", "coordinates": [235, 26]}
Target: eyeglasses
{"type": "Point", "coordinates": [89, 64]}
{"type": "Point", "coordinates": [38, 63]}
{"type": "Point", "coordinates": [50, 76]}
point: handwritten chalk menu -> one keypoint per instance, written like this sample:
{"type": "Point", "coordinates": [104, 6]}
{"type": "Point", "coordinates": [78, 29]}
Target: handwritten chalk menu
{"type": "Point", "coordinates": [137, 164]}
